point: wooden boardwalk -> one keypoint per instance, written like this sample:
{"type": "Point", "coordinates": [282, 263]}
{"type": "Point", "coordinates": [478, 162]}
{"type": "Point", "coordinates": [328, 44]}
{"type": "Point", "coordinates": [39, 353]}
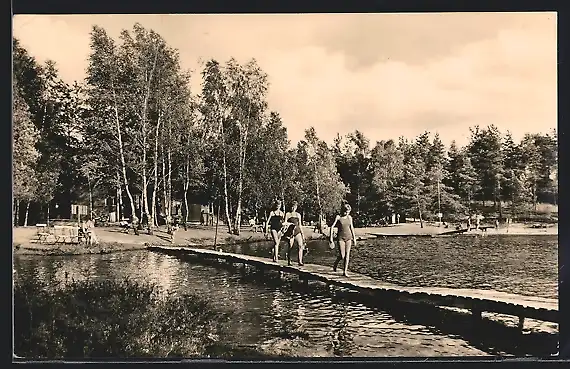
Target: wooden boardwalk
{"type": "Point", "coordinates": [477, 301]}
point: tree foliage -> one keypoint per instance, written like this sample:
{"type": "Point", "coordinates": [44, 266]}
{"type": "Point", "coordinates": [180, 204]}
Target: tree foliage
{"type": "Point", "coordinates": [134, 130]}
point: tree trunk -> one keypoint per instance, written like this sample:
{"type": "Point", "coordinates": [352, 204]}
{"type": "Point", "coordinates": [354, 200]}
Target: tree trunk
{"type": "Point", "coordinates": [144, 143]}
{"type": "Point", "coordinates": [119, 202]}
{"type": "Point", "coordinates": [282, 189]}
{"type": "Point", "coordinates": [90, 197]}
{"type": "Point", "coordinates": [141, 206]}
{"type": "Point", "coordinates": [164, 194]}
{"type": "Point", "coordinates": [420, 214]}
{"type": "Point", "coordinates": [226, 197]}
{"type": "Point", "coordinates": [144, 195]}
{"type": "Point", "coordinates": [318, 192]}
{"type": "Point", "coordinates": [122, 156]}
{"type": "Point", "coordinates": [243, 150]}
{"type": "Point", "coordinates": [14, 212]}
{"type": "Point", "coordinates": [169, 173]}
{"type": "Point", "coordinates": [155, 179]}
{"type": "Point", "coordinates": [18, 213]}
{"type": "Point", "coordinates": [169, 178]}
{"type": "Point", "coordinates": [47, 222]}
{"type": "Point", "coordinates": [186, 186]}
{"type": "Point", "coordinates": [217, 222]}
{"type": "Point", "coordinates": [500, 211]}
{"type": "Point", "coordinates": [26, 217]}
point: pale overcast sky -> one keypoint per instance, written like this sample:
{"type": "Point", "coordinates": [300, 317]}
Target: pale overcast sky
{"type": "Point", "coordinates": [388, 75]}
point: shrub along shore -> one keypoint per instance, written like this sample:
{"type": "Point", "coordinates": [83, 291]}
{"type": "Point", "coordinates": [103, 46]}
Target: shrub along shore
{"type": "Point", "coordinates": [122, 319]}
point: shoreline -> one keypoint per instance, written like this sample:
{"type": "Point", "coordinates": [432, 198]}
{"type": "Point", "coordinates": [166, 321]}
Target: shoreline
{"type": "Point", "coordinates": [112, 239]}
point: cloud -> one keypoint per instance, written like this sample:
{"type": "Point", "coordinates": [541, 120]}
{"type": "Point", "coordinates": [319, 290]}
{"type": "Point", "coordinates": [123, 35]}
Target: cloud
{"type": "Point", "coordinates": [386, 75]}
{"type": "Point", "coordinates": [508, 80]}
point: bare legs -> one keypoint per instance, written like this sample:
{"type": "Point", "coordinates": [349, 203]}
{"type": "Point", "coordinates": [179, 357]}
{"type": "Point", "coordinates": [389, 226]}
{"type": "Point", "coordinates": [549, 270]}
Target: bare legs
{"type": "Point", "coordinates": [343, 255]}
{"type": "Point", "coordinates": [300, 245]}
{"type": "Point", "coordinates": [276, 240]}
{"type": "Point", "coordinates": [347, 257]}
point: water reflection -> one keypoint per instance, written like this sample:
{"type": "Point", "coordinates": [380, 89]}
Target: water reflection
{"type": "Point", "coordinates": [525, 265]}
{"type": "Point", "coordinates": [263, 313]}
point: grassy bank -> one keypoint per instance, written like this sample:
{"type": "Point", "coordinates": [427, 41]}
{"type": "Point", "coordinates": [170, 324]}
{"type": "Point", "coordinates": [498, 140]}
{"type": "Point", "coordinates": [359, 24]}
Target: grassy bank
{"type": "Point", "coordinates": [110, 319]}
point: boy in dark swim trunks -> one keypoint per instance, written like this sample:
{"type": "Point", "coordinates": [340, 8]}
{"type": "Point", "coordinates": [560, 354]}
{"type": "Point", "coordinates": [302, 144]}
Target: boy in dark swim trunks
{"type": "Point", "coordinates": [294, 233]}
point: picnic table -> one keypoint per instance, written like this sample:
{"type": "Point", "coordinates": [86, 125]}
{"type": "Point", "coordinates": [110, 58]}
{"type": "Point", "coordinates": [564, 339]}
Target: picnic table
{"type": "Point", "coordinates": [42, 232]}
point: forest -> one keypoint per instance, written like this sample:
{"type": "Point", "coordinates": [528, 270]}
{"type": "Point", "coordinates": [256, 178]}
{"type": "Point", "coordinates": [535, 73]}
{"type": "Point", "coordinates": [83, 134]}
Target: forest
{"type": "Point", "coordinates": [133, 130]}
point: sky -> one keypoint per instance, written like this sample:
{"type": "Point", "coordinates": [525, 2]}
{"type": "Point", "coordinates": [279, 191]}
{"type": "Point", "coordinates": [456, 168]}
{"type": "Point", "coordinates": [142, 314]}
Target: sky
{"type": "Point", "coordinates": [387, 75]}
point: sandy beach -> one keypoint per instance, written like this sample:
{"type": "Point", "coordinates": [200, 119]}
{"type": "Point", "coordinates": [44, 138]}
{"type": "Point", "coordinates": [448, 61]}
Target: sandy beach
{"type": "Point", "coordinates": [112, 239]}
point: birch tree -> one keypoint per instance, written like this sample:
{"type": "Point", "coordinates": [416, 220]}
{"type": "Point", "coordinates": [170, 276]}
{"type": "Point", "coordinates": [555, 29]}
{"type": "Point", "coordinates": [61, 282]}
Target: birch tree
{"type": "Point", "coordinates": [25, 155]}
{"type": "Point", "coordinates": [105, 75]}
{"type": "Point", "coordinates": [248, 87]}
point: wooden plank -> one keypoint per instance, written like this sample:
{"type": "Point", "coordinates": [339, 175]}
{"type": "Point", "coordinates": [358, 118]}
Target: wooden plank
{"type": "Point", "coordinates": [404, 235]}
{"type": "Point", "coordinates": [473, 299]}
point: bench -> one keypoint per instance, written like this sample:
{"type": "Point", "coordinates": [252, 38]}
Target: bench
{"type": "Point", "coordinates": [125, 226]}
{"type": "Point", "coordinates": [42, 233]}
{"type": "Point", "coordinates": [256, 227]}
{"type": "Point", "coordinates": [68, 235]}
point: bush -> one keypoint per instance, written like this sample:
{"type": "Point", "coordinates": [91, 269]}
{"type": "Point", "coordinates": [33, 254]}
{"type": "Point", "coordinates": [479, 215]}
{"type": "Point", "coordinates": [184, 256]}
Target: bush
{"type": "Point", "coordinates": [90, 319]}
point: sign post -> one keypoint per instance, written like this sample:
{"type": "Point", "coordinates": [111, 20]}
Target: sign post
{"type": "Point", "coordinates": [79, 210]}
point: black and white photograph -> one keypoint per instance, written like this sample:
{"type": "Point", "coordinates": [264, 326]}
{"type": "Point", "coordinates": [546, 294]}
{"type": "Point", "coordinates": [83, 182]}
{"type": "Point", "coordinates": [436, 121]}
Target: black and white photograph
{"type": "Point", "coordinates": [285, 186]}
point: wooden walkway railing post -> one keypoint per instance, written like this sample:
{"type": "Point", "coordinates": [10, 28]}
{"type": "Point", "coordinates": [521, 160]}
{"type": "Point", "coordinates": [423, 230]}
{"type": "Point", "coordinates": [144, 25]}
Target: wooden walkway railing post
{"type": "Point", "coordinates": [476, 301]}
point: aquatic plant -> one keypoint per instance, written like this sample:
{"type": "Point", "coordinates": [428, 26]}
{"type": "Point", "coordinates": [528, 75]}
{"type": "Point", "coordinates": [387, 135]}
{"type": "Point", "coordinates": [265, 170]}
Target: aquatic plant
{"type": "Point", "coordinates": [113, 319]}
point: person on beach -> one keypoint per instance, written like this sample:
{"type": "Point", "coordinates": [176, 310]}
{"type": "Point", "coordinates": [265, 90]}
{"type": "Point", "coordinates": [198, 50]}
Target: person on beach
{"type": "Point", "coordinates": [294, 233]}
{"type": "Point", "coordinates": [90, 232]}
{"type": "Point", "coordinates": [135, 224]}
{"type": "Point", "coordinates": [274, 225]}
{"type": "Point", "coordinates": [173, 229]}
{"type": "Point", "coordinates": [346, 237]}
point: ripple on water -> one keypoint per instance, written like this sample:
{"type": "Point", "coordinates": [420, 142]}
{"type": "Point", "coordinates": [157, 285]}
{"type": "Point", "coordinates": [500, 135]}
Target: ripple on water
{"type": "Point", "coordinates": [525, 265]}
{"type": "Point", "coordinates": [264, 315]}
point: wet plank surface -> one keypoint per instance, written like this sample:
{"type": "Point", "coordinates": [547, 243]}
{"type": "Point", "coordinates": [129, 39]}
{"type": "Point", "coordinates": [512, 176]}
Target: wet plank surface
{"type": "Point", "coordinates": [482, 300]}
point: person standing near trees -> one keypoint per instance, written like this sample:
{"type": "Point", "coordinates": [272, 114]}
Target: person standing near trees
{"type": "Point", "coordinates": [294, 233]}
{"type": "Point", "coordinates": [274, 225]}
{"type": "Point", "coordinates": [346, 237]}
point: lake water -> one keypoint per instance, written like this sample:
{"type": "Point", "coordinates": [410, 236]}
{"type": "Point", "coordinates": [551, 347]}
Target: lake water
{"type": "Point", "coordinates": [330, 325]}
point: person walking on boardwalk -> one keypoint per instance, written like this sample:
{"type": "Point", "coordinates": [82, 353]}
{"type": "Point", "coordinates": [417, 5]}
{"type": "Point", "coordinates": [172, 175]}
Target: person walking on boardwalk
{"type": "Point", "coordinates": [294, 233]}
{"type": "Point", "coordinates": [274, 225]}
{"type": "Point", "coordinates": [346, 237]}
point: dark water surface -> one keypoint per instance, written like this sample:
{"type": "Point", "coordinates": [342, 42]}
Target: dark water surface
{"type": "Point", "coordinates": [524, 265]}
{"type": "Point", "coordinates": [327, 325]}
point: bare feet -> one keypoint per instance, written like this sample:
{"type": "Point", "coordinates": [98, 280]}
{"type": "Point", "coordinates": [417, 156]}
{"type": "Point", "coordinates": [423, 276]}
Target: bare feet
{"type": "Point", "coordinates": [301, 264]}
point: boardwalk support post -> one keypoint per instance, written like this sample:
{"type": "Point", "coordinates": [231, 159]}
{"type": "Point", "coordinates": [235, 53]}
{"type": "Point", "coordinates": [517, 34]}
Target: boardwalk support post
{"type": "Point", "coordinates": [476, 301]}
{"type": "Point", "coordinates": [477, 314]}
{"type": "Point", "coordinates": [304, 280]}
{"type": "Point", "coordinates": [521, 323]}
